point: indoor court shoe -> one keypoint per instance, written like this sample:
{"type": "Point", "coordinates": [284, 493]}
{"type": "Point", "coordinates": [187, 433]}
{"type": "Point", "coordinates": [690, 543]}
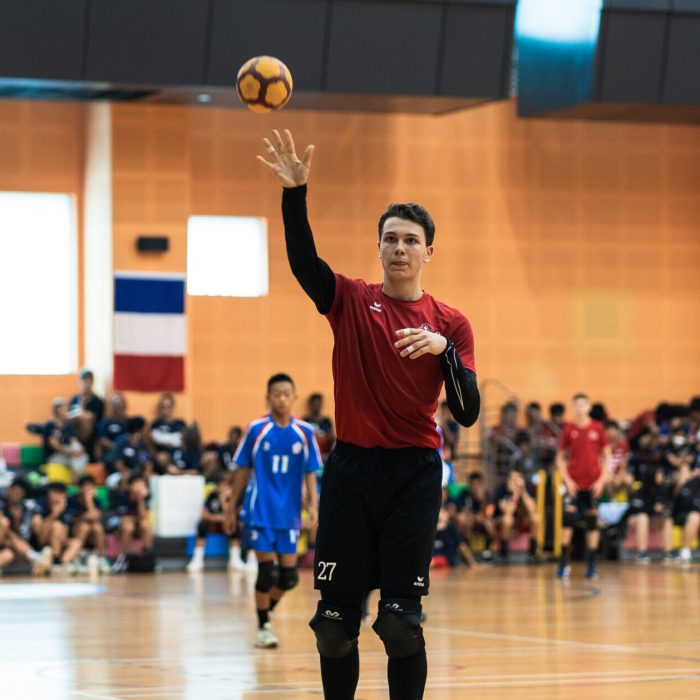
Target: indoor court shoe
{"type": "Point", "coordinates": [591, 573]}
{"type": "Point", "coordinates": [119, 566]}
{"type": "Point", "coordinates": [643, 558]}
{"type": "Point", "coordinates": [266, 639]}
{"type": "Point", "coordinates": [104, 566]}
{"type": "Point", "coordinates": [563, 571]}
{"type": "Point", "coordinates": [686, 556]}
{"type": "Point", "coordinates": [42, 566]}
{"type": "Point", "coordinates": [195, 565]}
{"type": "Point", "coordinates": [237, 564]}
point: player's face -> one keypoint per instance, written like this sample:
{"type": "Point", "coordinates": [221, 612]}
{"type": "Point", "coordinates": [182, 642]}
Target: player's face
{"type": "Point", "coordinates": [613, 434]}
{"type": "Point", "coordinates": [57, 498]}
{"type": "Point", "coordinates": [402, 248]}
{"type": "Point", "coordinates": [165, 409]}
{"type": "Point", "coordinates": [281, 398]}
{"type": "Point", "coordinates": [582, 407]}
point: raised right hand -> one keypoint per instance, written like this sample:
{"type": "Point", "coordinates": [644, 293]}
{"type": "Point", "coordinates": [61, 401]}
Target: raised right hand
{"type": "Point", "coordinates": [289, 170]}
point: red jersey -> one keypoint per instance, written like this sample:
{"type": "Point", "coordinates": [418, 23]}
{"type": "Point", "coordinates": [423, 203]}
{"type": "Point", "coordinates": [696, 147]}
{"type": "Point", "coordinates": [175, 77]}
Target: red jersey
{"type": "Point", "coordinates": [585, 446]}
{"type": "Point", "coordinates": [382, 399]}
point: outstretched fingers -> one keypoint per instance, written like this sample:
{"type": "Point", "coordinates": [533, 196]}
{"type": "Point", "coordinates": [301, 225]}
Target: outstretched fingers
{"type": "Point", "coordinates": [267, 164]}
{"type": "Point", "coordinates": [308, 155]}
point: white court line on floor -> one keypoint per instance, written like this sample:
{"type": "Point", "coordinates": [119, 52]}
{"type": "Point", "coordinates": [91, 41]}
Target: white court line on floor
{"type": "Point", "coordinates": [538, 640]}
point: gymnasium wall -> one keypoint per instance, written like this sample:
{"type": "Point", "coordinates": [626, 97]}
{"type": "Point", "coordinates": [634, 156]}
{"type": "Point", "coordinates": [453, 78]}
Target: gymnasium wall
{"type": "Point", "coordinates": [573, 247]}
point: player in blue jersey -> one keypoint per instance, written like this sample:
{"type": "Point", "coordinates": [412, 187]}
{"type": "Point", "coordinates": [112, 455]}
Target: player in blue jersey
{"type": "Point", "coordinates": [279, 455]}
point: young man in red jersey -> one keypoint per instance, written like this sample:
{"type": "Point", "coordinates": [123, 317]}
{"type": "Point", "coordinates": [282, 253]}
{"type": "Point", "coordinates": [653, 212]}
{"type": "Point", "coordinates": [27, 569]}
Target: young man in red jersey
{"type": "Point", "coordinates": [585, 473]}
{"type": "Point", "coordinates": [395, 346]}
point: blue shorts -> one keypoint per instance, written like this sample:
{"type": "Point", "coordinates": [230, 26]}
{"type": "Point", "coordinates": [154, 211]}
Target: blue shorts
{"type": "Point", "coordinates": [265, 539]}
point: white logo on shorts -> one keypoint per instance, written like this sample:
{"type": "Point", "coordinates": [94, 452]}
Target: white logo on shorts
{"type": "Point", "coordinates": [419, 582]}
{"type": "Point", "coordinates": [333, 615]}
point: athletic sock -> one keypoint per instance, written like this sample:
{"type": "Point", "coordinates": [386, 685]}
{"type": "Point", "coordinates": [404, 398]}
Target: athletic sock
{"type": "Point", "coordinates": [263, 617]}
{"type": "Point", "coordinates": [564, 559]}
{"type": "Point", "coordinates": [340, 676]}
{"type": "Point", "coordinates": [533, 546]}
{"type": "Point", "coordinates": [234, 552]}
{"type": "Point", "coordinates": [33, 555]}
{"type": "Point", "coordinates": [504, 549]}
{"type": "Point", "coordinates": [591, 556]}
{"type": "Point", "coordinates": [407, 677]}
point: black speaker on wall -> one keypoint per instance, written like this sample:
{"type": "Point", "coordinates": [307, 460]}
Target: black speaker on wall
{"type": "Point", "coordinates": [152, 244]}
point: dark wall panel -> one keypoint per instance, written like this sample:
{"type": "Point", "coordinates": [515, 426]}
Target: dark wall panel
{"type": "Point", "coordinates": [632, 56]}
{"type": "Point", "coordinates": [384, 46]}
{"type": "Point", "coordinates": [477, 51]}
{"type": "Point", "coordinates": [294, 31]}
{"type": "Point", "coordinates": [682, 84]}
{"type": "Point", "coordinates": [147, 41]}
{"type": "Point", "coordinates": [42, 39]}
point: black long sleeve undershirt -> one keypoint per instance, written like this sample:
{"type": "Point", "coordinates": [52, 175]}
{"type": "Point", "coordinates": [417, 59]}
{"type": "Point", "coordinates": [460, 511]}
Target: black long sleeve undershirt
{"type": "Point", "coordinates": [318, 281]}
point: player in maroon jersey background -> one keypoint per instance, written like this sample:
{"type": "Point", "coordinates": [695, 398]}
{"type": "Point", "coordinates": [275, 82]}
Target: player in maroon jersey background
{"type": "Point", "coordinates": [584, 462]}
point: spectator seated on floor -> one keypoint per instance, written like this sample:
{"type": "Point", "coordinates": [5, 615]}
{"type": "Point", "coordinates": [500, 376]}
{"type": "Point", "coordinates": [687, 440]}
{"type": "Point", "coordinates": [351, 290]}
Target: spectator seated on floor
{"type": "Point", "coordinates": [516, 511]}
{"type": "Point", "coordinates": [16, 530]}
{"type": "Point", "coordinates": [51, 523]}
{"type": "Point", "coordinates": [221, 455]}
{"type": "Point", "coordinates": [130, 519]}
{"type": "Point", "coordinates": [449, 546]}
{"type": "Point", "coordinates": [86, 526]}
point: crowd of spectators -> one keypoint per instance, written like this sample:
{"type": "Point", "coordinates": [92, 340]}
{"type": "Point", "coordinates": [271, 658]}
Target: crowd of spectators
{"type": "Point", "coordinates": [59, 526]}
{"type": "Point", "coordinates": [653, 483]}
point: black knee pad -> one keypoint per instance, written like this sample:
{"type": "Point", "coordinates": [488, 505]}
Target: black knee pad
{"type": "Point", "coordinates": [569, 519]}
{"type": "Point", "coordinates": [398, 626]}
{"type": "Point", "coordinates": [202, 529]}
{"type": "Point", "coordinates": [336, 628]}
{"type": "Point", "coordinates": [591, 520]}
{"type": "Point", "coordinates": [267, 576]}
{"type": "Point", "coordinates": [288, 578]}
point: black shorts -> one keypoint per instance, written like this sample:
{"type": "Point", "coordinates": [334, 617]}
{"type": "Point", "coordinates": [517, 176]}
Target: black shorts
{"type": "Point", "coordinates": [582, 509]}
{"type": "Point", "coordinates": [377, 519]}
{"type": "Point", "coordinates": [687, 501]}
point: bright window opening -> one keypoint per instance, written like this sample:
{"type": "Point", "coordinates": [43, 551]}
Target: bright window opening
{"type": "Point", "coordinates": [227, 256]}
{"type": "Point", "coordinates": [38, 283]}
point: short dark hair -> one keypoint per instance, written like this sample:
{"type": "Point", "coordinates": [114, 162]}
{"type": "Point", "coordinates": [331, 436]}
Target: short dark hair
{"type": "Point", "coordinates": [612, 424]}
{"type": "Point", "coordinates": [315, 397]}
{"type": "Point", "coordinates": [580, 395]}
{"type": "Point", "coordinates": [22, 483]}
{"type": "Point", "coordinates": [136, 477]}
{"type": "Point", "coordinates": [276, 378]}
{"type": "Point", "coordinates": [557, 409]}
{"type": "Point", "coordinates": [135, 425]}
{"type": "Point", "coordinates": [57, 486]}
{"type": "Point", "coordinates": [535, 405]}
{"type": "Point", "coordinates": [476, 476]}
{"type": "Point", "coordinates": [86, 479]}
{"type": "Point", "coordinates": [410, 212]}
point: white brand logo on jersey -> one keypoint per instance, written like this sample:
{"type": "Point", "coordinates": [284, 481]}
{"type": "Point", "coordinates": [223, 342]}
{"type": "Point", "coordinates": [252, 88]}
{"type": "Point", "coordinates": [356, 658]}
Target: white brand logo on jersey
{"type": "Point", "coordinates": [376, 307]}
{"type": "Point", "coordinates": [332, 614]}
{"type": "Point", "coordinates": [592, 435]}
{"type": "Point", "coordinates": [266, 446]}
{"type": "Point", "coordinates": [296, 448]}
{"type": "Point", "coordinates": [428, 327]}
{"type": "Point", "coordinates": [419, 582]}
{"type": "Point", "coordinates": [574, 433]}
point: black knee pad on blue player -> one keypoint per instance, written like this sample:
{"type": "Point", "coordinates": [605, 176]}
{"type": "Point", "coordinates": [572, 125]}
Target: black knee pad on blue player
{"type": "Point", "coordinates": [288, 578]}
{"type": "Point", "coordinates": [268, 576]}
{"type": "Point", "coordinates": [398, 626]}
{"type": "Point", "coordinates": [336, 628]}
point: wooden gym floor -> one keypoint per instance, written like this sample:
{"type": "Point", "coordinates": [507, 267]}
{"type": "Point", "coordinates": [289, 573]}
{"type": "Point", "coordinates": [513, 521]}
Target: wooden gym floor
{"type": "Point", "coordinates": [495, 633]}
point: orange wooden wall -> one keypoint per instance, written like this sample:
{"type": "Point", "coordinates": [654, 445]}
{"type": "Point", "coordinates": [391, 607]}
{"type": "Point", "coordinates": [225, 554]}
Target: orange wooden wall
{"type": "Point", "coordinates": [573, 247]}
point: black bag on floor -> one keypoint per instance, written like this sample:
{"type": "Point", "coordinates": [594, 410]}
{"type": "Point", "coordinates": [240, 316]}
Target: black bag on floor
{"type": "Point", "coordinates": [141, 563]}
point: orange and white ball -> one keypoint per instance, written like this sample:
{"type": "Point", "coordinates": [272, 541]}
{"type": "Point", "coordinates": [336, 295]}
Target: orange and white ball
{"type": "Point", "coordinates": [264, 84]}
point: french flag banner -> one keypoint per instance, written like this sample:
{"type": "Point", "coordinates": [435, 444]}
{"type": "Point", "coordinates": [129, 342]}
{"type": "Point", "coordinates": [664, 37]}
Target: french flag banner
{"type": "Point", "coordinates": [150, 336]}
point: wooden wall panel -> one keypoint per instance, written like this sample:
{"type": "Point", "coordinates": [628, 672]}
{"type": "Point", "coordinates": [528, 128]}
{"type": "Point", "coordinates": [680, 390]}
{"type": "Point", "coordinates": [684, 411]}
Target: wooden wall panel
{"type": "Point", "coordinates": [573, 247]}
